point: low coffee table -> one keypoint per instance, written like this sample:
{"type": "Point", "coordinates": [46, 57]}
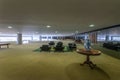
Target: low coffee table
{"type": "Point", "coordinates": [88, 54]}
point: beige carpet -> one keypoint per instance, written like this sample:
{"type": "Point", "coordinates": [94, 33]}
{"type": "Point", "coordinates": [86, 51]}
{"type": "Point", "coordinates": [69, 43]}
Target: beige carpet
{"type": "Point", "coordinates": [19, 62]}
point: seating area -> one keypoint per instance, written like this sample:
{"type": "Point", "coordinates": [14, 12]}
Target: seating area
{"type": "Point", "coordinates": [72, 46]}
{"type": "Point", "coordinates": [112, 45]}
{"type": "Point", "coordinates": [51, 43]}
{"type": "Point", "coordinates": [59, 47]}
{"type": "Point", "coordinates": [45, 48]}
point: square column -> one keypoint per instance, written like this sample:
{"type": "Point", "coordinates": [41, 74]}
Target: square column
{"type": "Point", "coordinates": [19, 38]}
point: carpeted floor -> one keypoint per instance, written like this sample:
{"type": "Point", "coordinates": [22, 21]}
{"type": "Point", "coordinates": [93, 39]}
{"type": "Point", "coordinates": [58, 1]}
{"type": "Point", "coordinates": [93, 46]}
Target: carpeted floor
{"type": "Point", "coordinates": [19, 62]}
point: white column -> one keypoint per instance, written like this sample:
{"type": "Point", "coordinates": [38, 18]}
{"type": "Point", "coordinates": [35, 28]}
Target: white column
{"type": "Point", "coordinates": [19, 38]}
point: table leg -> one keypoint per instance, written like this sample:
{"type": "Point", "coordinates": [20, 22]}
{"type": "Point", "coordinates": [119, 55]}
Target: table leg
{"type": "Point", "coordinates": [90, 63]}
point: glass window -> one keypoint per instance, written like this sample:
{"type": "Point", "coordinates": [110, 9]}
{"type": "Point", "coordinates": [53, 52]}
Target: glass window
{"type": "Point", "coordinates": [26, 38]}
{"type": "Point", "coordinates": [116, 38]}
{"type": "Point", "coordinates": [8, 38]}
{"type": "Point", "coordinates": [36, 38]}
{"type": "Point", "coordinates": [101, 38]}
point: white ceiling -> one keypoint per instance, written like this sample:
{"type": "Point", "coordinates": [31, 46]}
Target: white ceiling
{"type": "Point", "coordinates": [64, 16]}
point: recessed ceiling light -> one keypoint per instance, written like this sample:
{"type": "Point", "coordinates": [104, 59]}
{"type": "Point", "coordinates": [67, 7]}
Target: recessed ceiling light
{"type": "Point", "coordinates": [48, 26]}
{"type": "Point", "coordinates": [9, 27]}
{"type": "Point", "coordinates": [18, 32]}
{"type": "Point", "coordinates": [92, 25]}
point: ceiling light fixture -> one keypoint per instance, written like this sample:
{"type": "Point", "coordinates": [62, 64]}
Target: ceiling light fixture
{"type": "Point", "coordinates": [48, 26]}
{"type": "Point", "coordinates": [9, 27]}
{"type": "Point", "coordinates": [92, 25]}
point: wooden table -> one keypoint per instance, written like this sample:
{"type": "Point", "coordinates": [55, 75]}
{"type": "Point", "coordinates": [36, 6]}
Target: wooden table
{"type": "Point", "coordinates": [4, 44]}
{"type": "Point", "coordinates": [88, 54]}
